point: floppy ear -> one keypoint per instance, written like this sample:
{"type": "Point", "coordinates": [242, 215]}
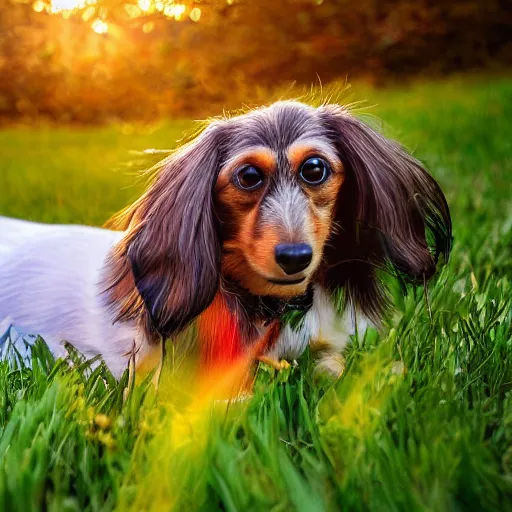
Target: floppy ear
{"type": "Point", "coordinates": [166, 270]}
{"type": "Point", "coordinates": [390, 213]}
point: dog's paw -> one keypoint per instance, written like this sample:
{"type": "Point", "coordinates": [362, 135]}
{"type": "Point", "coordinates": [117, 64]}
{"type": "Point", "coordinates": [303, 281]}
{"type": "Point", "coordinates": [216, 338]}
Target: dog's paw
{"type": "Point", "coordinates": [329, 367]}
{"type": "Point", "coordinates": [274, 363]}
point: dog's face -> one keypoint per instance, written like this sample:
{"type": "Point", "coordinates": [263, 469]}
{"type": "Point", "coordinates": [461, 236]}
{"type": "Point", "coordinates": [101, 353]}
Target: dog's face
{"type": "Point", "coordinates": [275, 199]}
{"type": "Point", "coordinates": [275, 196]}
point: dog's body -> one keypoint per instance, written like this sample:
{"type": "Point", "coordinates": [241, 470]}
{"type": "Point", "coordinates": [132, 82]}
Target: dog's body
{"type": "Point", "coordinates": [265, 213]}
{"type": "Point", "coordinates": [50, 278]}
{"type": "Point", "coordinates": [52, 285]}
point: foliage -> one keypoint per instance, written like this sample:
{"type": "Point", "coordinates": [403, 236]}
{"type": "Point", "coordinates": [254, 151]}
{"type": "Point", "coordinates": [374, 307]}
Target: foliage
{"type": "Point", "coordinates": [148, 65]}
{"type": "Point", "coordinates": [421, 419]}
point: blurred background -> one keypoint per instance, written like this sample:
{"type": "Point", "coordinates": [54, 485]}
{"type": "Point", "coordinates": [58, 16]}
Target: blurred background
{"type": "Point", "coordinates": [97, 61]}
{"type": "Point", "coordinates": [87, 85]}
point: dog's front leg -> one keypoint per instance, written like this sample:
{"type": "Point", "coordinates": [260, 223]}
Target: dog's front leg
{"type": "Point", "coordinates": [274, 363]}
{"type": "Point", "coordinates": [328, 361]}
{"type": "Point", "coordinates": [323, 329]}
{"type": "Point", "coordinates": [330, 333]}
{"type": "Point", "coordinates": [265, 349]}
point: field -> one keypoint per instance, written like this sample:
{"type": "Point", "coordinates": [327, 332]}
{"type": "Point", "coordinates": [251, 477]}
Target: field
{"type": "Point", "coordinates": [421, 418]}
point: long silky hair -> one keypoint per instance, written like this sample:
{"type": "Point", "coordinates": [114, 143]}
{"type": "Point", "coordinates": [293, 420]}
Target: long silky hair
{"type": "Point", "coordinates": [390, 214]}
{"type": "Point", "coordinates": [166, 270]}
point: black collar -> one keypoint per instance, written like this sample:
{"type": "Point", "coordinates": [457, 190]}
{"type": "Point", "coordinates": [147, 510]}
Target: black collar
{"type": "Point", "coordinates": [265, 308]}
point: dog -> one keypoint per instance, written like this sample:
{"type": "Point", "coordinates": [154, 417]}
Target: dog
{"type": "Point", "coordinates": [286, 208]}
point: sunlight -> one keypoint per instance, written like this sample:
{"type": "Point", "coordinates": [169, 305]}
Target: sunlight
{"type": "Point", "coordinates": [99, 26]}
{"type": "Point", "coordinates": [66, 8]}
{"type": "Point", "coordinates": [39, 6]}
{"type": "Point", "coordinates": [69, 5]}
{"type": "Point", "coordinates": [144, 5]}
{"type": "Point", "coordinates": [195, 14]}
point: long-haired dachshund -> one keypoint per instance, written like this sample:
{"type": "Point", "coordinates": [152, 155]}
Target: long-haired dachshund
{"type": "Point", "coordinates": [261, 214]}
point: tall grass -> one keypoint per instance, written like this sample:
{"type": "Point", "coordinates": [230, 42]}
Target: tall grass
{"type": "Point", "coordinates": [420, 420]}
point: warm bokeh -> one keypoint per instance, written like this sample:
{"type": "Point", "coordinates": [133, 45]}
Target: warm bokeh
{"type": "Point", "coordinates": [96, 61]}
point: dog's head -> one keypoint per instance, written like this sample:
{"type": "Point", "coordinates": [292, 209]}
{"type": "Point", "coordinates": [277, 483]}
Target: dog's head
{"type": "Point", "coordinates": [273, 200]}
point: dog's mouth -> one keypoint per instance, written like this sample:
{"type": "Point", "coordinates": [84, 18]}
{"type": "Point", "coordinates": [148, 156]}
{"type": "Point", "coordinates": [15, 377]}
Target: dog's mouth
{"type": "Point", "coordinates": [286, 281]}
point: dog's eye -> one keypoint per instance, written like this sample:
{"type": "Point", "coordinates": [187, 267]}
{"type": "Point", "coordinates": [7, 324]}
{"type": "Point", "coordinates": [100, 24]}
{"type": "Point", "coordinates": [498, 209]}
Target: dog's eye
{"type": "Point", "coordinates": [314, 171]}
{"type": "Point", "coordinates": [249, 178]}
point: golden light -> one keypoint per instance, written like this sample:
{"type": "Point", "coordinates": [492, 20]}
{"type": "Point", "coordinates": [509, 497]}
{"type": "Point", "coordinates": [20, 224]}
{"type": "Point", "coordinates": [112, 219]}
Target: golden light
{"type": "Point", "coordinates": [69, 5]}
{"type": "Point", "coordinates": [99, 26]}
{"type": "Point", "coordinates": [38, 6]}
{"type": "Point", "coordinates": [144, 5]}
{"type": "Point", "coordinates": [195, 14]}
{"type": "Point", "coordinates": [89, 13]}
{"type": "Point", "coordinates": [89, 10]}
{"type": "Point", "coordinates": [174, 11]}
{"type": "Point", "coordinates": [132, 10]}
{"type": "Point", "coordinates": [148, 27]}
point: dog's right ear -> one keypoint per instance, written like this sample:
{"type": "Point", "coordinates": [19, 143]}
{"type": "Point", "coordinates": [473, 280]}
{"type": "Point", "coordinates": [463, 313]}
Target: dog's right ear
{"type": "Point", "coordinates": [390, 214]}
{"type": "Point", "coordinates": [166, 270]}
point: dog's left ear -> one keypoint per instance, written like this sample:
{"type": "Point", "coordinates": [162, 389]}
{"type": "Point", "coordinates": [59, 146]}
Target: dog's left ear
{"type": "Point", "coordinates": [166, 270]}
{"type": "Point", "coordinates": [390, 211]}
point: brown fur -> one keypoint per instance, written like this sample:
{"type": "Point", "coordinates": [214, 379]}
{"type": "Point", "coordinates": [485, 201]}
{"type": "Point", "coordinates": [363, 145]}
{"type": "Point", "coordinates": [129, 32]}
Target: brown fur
{"type": "Point", "coordinates": [194, 227]}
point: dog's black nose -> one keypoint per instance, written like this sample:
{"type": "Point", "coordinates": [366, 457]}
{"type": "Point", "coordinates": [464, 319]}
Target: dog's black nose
{"type": "Point", "coordinates": [293, 258]}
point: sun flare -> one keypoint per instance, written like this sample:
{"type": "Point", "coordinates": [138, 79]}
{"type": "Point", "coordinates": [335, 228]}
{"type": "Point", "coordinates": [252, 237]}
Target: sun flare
{"type": "Point", "coordinates": [67, 8]}
{"type": "Point", "coordinates": [99, 26]}
{"type": "Point", "coordinates": [69, 5]}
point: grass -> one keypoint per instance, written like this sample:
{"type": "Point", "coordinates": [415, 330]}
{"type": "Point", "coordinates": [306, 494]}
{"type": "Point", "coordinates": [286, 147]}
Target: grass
{"type": "Point", "coordinates": [421, 419]}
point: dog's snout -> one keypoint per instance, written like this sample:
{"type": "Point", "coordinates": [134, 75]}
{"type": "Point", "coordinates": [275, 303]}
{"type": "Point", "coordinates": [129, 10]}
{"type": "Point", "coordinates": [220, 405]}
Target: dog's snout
{"type": "Point", "coordinates": [293, 258]}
